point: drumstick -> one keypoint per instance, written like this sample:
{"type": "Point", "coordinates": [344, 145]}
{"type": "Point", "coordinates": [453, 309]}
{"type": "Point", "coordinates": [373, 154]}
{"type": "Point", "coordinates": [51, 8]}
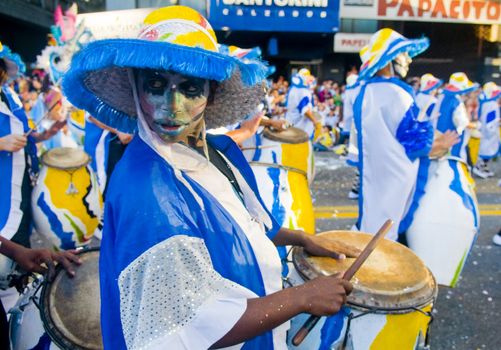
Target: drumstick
{"type": "Point", "coordinates": [348, 275]}
{"type": "Point", "coordinates": [28, 133]}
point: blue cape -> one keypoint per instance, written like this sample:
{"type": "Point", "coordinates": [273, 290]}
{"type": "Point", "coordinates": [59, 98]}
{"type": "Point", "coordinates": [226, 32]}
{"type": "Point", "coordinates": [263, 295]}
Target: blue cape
{"type": "Point", "coordinates": [163, 207]}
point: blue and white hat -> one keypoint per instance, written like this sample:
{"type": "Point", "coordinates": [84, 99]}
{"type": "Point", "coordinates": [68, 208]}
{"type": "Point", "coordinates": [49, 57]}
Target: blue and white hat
{"type": "Point", "coordinates": [175, 38]}
{"type": "Point", "coordinates": [15, 65]}
{"type": "Point", "coordinates": [384, 46]}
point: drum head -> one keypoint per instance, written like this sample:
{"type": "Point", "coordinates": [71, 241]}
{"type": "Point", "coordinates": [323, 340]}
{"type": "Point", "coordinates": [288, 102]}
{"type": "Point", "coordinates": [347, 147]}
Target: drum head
{"type": "Point", "coordinates": [290, 135]}
{"type": "Point", "coordinates": [65, 158]}
{"type": "Point", "coordinates": [393, 278]}
{"type": "Point", "coordinates": [71, 308]}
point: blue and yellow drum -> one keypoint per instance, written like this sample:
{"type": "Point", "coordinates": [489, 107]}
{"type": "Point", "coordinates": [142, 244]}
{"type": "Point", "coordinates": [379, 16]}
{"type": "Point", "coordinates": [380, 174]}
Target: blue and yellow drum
{"type": "Point", "coordinates": [447, 220]}
{"type": "Point", "coordinates": [66, 202]}
{"type": "Point", "coordinates": [392, 299]}
{"type": "Point", "coordinates": [282, 162]}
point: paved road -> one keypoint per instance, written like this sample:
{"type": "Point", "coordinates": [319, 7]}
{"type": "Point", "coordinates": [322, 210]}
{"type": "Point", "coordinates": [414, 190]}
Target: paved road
{"type": "Point", "coordinates": [467, 317]}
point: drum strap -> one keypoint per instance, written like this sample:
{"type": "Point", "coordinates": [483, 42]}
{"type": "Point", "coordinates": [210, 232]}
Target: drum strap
{"type": "Point", "coordinates": [220, 163]}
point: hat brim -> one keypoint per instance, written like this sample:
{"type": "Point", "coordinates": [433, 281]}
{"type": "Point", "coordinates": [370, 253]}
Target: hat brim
{"type": "Point", "coordinates": [435, 86]}
{"type": "Point", "coordinates": [452, 90]}
{"type": "Point", "coordinates": [412, 46]}
{"type": "Point", "coordinates": [98, 79]}
{"type": "Point", "coordinates": [495, 96]}
{"type": "Point", "coordinates": [15, 60]}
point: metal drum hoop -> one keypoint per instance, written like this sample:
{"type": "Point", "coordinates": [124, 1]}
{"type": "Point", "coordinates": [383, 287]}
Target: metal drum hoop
{"type": "Point", "coordinates": [302, 136]}
{"type": "Point", "coordinates": [50, 327]}
{"type": "Point", "coordinates": [66, 168]}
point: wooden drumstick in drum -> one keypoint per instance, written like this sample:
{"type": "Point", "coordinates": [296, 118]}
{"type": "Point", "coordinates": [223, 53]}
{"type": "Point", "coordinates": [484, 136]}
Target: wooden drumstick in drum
{"type": "Point", "coordinates": [28, 133]}
{"type": "Point", "coordinates": [348, 275]}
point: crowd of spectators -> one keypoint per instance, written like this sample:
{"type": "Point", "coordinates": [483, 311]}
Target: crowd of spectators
{"type": "Point", "coordinates": [327, 107]}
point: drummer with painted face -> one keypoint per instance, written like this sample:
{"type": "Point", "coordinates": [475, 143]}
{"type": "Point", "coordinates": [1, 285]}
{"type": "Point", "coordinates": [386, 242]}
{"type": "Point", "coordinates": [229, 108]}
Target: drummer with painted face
{"type": "Point", "coordinates": [188, 256]}
{"type": "Point", "coordinates": [17, 162]}
{"type": "Point", "coordinates": [391, 139]}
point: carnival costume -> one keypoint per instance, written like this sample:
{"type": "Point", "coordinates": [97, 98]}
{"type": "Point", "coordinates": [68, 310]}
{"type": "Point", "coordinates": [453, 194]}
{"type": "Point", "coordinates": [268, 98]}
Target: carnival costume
{"type": "Point", "coordinates": [446, 219]}
{"type": "Point", "coordinates": [390, 138]}
{"type": "Point", "coordinates": [14, 167]}
{"type": "Point", "coordinates": [66, 39]}
{"type": "Point", "coordinates": [489, 118]}
{"type": "Point", "coordinates": [299, 101]}
{"type": "Point", "coordinates": [350, 95]}
{"type": "Point", "coordinates": [182, 250]}
{"type": "Point", "coordinates": [425, 100]}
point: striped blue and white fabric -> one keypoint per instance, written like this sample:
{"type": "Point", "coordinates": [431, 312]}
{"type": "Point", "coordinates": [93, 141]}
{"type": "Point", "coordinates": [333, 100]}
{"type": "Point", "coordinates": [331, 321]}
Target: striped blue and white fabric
{"type": "Point", "coordinates": [390, 141]}
{"type": "Point", "coordinates": [299, 100]}
{"type": "Point", "coordinates": [178, 266]}
{"type": "Point", "coordinates": [13, 165]}
{"type": "Point", "coordinates": [96, 145]}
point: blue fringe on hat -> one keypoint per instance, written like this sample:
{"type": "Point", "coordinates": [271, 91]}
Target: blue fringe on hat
{"type": "Point", "coordinates": [142, 54]}
{"type": "Point", "coordinates": [14, 58]}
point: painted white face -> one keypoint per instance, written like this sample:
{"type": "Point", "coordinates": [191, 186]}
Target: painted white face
{"type": "Point", "coordinates": [401, 64]}
{"type": "Point", "coordinates": [172, 104]}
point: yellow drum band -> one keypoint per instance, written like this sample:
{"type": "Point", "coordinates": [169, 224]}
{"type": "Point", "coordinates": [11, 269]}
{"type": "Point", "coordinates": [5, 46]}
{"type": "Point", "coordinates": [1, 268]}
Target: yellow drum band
{"type": "Point", "coordinates": [298, 156]}
{"type": "Point", "coordinates": [392, 331]}
{"type": "Point", "coordinates": [59, 212]}
{"type": "Point", "coordinates": [56, 182]}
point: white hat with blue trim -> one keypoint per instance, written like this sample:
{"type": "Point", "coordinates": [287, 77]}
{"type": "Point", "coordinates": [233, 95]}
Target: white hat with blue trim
{"type": "Point", "coordinates": [15, 65]}
{"type": "Point", "coordinates": [384, 46]}
{"type": "Point", "coordinates": [174, 38]}
{"type": "Point", "coordinates": [459, 84]}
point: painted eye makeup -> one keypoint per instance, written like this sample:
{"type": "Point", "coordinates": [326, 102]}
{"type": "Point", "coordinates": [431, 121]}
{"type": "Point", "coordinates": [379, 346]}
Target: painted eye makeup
{"type": "Point", "coordinates": [156, 83]}
{"type": "Point", "coordinates": [192, 87]}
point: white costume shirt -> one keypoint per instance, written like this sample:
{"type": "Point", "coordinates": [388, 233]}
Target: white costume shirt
{"type": "Point", "coordinates": [489, 117]}
{"type": "Point", "coordinates": [211, 316]}
{"type": "Point", "coordinates": [299, 101]}
{"type": "Point", "coordinates": [388, 175]}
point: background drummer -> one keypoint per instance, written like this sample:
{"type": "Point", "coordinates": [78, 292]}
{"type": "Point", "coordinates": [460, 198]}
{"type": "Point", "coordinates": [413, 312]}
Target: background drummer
{"type": "Point", "coordinates": [18, 162]}
{"type": "Point", "coordinates": [391, 140]}
{"type": "Point", "coordinates": [32, 260]}
{"type": "Point", "coordinates": [299, 111]}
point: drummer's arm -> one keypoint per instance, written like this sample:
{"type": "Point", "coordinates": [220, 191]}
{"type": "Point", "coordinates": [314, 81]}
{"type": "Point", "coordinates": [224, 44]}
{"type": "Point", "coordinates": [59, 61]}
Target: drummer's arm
{"type": "Point", "coordinates": [443, 142]}
{"type": "Point", "coordinates": [309, 114]}
{"type": "Point", "coordinates": [247, 129]}
{"type": "Point", "coordinates": [315, 245]}
{"type": "Point", "coordinates": [322, 296]}
{"type": "Point", "coordinates": [47, 134]}
{"type": "Point", "coordinates": [31, 259]}
{"type": "Point", "coordinates": [287, 236]}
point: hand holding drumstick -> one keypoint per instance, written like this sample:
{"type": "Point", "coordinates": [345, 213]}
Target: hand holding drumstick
{"type": "Point", "coordinates": [348, 275]}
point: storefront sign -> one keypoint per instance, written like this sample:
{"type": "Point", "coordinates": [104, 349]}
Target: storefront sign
{"type": "Point", "coordinates": [114, 24]}
{"type": "Point", "coordinates": [350, 42]}
{"type": "Point", "coordinates": [462, 11]}
{"type": "Point", "coordinates": [275, 15]}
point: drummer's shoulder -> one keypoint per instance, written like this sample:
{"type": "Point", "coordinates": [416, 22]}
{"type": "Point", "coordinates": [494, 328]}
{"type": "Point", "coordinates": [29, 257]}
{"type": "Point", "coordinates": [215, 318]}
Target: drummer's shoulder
{"type": "Point", "coordinates": [390, 92]}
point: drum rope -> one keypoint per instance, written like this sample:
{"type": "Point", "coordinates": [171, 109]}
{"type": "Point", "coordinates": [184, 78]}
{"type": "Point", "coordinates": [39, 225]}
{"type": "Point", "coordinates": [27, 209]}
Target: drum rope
{"type": "Point", "coordinates": [72, 189]}
{"type": "Point", "coordinates": [279, 166]}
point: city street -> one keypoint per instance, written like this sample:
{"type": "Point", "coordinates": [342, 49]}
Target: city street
{"type": "Point", "coordinates": [466, 317]}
